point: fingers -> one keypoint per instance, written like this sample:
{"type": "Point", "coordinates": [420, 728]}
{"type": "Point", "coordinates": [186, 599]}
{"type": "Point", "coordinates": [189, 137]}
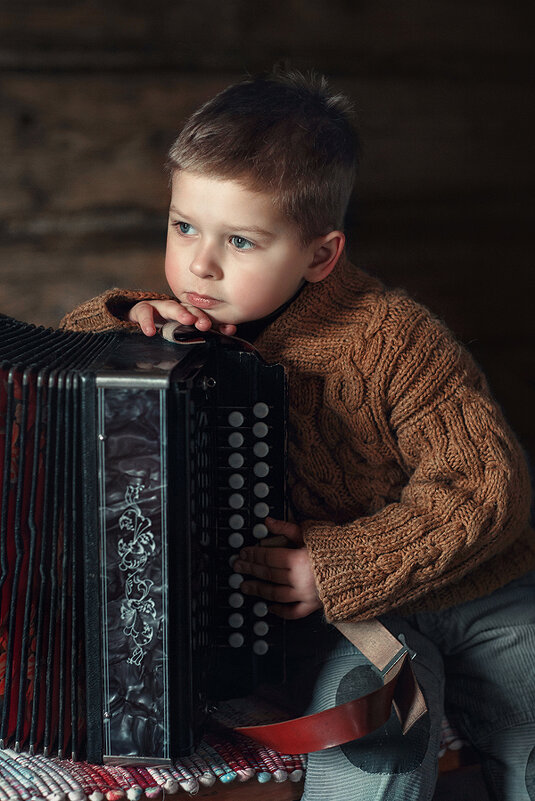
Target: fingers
{"type": "Point", "coordinates": [282, 576]}
{"type": "Point", "coordinates": [294, 611]}
{"type": "Point", "coordinates": [280, 593]}
{"type": "Point", "coordinates": [257, 558]}
{"type": "Point", "coordinates": [278, 541]}
{"type": "Point", "coordinates": [276, 575]}
{"type": "Point", "coordinates": [286, 529]}
{"type": "Point", "coordinates": [148, 312]}
{"type": "Point", "coordinates": [143, 314]}
{"type": "Point", "coordinates": [203, 322]}
{"type": "Point", "coordinates": [226, 328]}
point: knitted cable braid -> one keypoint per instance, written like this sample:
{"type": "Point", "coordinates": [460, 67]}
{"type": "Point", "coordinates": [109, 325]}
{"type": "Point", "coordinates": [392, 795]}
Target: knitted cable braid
{"type": "Point", "coordinates": [412, 491]}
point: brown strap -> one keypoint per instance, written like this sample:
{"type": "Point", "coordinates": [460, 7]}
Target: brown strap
{"type": "Point", "coordinates": [380, 647]}
{"type": "Point", "coordinates": [372, 639]}
{"type": "Point", "coordinates": [354, 719]}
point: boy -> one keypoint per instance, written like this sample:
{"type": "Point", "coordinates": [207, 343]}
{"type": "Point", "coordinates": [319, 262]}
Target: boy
{"type": "Point", "coordinates": [409, 493]}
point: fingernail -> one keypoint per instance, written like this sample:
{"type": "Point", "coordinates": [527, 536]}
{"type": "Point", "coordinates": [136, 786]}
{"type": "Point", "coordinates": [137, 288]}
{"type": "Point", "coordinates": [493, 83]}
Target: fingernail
{"type": "Point", "coordinates": [244, 555]}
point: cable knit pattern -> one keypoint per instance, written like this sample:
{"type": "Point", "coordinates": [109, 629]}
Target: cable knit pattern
{"type": "Point", "coordinates": [412, 491]}
{"type": "Point", "coordinates": [107, 311]}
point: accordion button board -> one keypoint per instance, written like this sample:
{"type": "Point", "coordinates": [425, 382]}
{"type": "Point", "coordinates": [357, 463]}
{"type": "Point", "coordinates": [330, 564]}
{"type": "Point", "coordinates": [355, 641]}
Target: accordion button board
{"type": "Point", "coordinates": [132, 472]}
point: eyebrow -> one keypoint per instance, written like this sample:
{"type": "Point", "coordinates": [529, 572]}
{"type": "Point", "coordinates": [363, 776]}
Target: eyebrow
{"type": "Point", "coordinates": [252, 229]}
{"type": "Point", "coordinates": [247, 229]}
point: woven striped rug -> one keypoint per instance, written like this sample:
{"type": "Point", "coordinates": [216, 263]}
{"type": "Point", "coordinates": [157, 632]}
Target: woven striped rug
{"type": "Point", "coordinates": [225, 757]}
{"type": "Point", "coordinates": [233, 758]}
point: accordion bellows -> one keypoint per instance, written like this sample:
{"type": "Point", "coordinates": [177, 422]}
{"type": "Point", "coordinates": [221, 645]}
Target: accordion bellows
{"type": "Point", "coordinates": [131, 471]}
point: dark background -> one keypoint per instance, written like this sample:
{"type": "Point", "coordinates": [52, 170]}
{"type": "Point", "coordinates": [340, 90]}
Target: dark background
{"type": "Point", "coordinates": [92, 94]}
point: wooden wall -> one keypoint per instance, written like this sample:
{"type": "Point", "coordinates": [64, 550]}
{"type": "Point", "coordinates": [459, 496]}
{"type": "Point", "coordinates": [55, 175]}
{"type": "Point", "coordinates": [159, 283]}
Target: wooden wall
{"type": "Point", "coordinates": [92, 94]}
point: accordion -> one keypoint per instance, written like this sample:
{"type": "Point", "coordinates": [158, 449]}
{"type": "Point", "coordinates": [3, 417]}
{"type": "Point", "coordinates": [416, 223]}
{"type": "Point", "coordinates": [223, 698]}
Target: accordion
{"type": "Point", "coordinates": [132, 470]}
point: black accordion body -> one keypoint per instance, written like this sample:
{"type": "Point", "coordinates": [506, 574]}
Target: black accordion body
{"type": "Point", "coordinates": [132, 470]}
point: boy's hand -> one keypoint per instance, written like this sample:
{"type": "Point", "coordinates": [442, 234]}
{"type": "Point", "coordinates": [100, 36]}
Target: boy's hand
{"type": "Point", "coordinates": [283, 575]}
{"type": "Point", "coordinates": [148, 312]}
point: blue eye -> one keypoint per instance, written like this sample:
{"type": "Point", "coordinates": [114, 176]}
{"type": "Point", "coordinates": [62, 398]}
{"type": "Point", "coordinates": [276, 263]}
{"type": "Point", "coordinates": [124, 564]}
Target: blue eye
{"type": "Point", "coordinates": [240, 243]}
{"type": "Point", "coordinates": [184, 227]}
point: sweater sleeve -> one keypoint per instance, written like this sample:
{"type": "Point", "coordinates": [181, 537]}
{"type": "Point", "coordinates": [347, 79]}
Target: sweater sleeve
{"type": "Point", "coordinates": [107, 312]}
{"type": "Point", "coordinates": [466, 497]}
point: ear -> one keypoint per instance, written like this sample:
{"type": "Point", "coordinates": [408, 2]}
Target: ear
{"type": "Point", "coordinates": [326, 250]}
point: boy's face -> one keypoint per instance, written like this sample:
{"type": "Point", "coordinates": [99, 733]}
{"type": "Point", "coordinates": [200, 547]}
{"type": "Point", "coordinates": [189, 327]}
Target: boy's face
{"type": "Point", "coordinates": [232, 254]}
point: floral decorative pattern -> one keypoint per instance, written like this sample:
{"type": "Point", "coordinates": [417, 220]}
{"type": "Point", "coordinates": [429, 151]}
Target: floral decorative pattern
{"type": "Point", "coordinates": [138, 609]}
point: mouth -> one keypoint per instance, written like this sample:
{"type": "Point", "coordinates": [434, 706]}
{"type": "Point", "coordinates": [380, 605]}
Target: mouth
{"type": "Point", "coordinates": [201, 301]}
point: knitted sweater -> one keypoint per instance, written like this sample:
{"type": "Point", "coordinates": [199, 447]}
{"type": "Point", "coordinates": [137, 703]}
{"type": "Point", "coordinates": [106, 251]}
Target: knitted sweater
{"type": "Point", "coordinates": [412, 491]}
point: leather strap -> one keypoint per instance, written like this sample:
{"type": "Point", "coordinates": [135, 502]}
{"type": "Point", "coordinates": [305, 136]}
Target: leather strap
{"type": "Point", "coordinates": [381, 648]}
{"type": "Point", "coordinates": [359, 717]}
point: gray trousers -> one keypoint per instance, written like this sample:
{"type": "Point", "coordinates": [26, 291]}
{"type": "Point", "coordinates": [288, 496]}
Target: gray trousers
{"type": "Point", "coordinates": [477, 659]}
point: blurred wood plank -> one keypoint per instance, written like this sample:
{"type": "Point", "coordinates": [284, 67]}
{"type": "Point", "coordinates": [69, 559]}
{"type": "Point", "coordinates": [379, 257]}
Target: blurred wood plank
{"type": "Point", "coordinates": [438, 37]}
{"type": "Point", "coordinates": [73, 140]}
{"type": "Point", "coordinates": [40, 284]}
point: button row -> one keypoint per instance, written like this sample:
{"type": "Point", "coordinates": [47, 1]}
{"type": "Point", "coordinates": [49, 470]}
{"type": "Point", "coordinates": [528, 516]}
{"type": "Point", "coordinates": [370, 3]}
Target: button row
{"type": "Point", "coordinates": [236, 620]}
{"type": "Point", "coordinates": [260, 450]}
{"type": "Point", "coordinates": [236, 640]}
{"type": "Point", "coordinates": [236, 480]}
{"type": "Point", "coordinates": [236, 521]}
{"type": "Point", "coordinates": [260, 411]}
{"type": "Point", "coordinates": [261, 490]}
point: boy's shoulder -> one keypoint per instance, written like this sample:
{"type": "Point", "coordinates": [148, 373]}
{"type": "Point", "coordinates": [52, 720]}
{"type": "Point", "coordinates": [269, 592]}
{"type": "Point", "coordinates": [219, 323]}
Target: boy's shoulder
{"type": "Point", "coordinates": [352, 302]}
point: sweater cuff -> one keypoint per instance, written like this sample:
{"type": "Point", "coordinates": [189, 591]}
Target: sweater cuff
{"type": "Point", "coordinates": [338, 602]}
{"type": "Point", "coordinates": [108, 311]}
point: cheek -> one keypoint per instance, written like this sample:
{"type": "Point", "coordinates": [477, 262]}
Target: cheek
{"type": "Point", "coordinates": [261, 297]}
{"type": "Point", "coordinates": [172, 265]}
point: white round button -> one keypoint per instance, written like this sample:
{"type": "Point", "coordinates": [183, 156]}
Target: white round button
{"type": "Point", "coordinates": [236, 500]}
{"type": "Point", "coordinates": [260, 609]}
{"type": "Point", "coordinates": [261, 410]}
{"type": "Point", "coordinates": [236, 640]}
{"type": "Point", "coordinates": [235, 419]}
{"type": "Point", "coordinates": [260, 531]}
{"type": "Point", "coordinates": [260, 647]}
{"type": "Point", "coordinates": [236, 521]}
{"type": "Point", "coordinates": [235, 439]}
{"type": "Point", "coordinates": [261, 449]}
{"type": "Point", "coordinates": [261, 469]}
{"type": "Point", "coordinates": [235, 460]}
{"type": "Point", "coordinates": [232, 559]}
{"type": "Point", "coordinates": [235, 580]}
{"type": "Point", "coordinates": [235, 540]}
{"type": "Point", "coordinates": [235, 601]}
{"type": "Point", "coordinates": [260, 430]}
{"type": "Point", "coordinates": [261, 490]}
{"type": "Point", "coordinates": [261, 509]}
{"type": "Point", "coordinates": [235, 481]}
{"type": "Point", "coordinates": [235, 620]}
{"type": "Point", "coordinates": [260, 628]}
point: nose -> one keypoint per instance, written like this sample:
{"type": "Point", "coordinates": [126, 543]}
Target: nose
{"type": "Point", "coordinates": [205, 263]}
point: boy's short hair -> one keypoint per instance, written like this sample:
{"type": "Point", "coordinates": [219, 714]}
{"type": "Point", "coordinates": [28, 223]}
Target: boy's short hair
{"type": "Point", "coordinates": [282, 133]}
